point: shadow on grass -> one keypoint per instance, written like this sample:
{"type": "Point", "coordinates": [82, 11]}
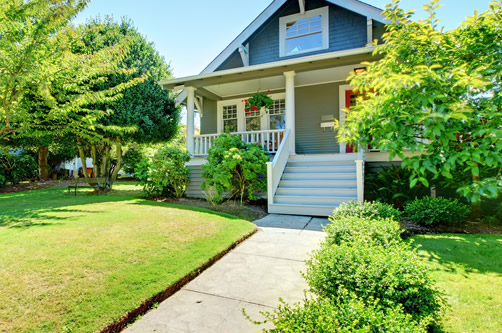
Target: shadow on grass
{"type": "Point", "coordinates": [39, 208]}
{"type": "Point", "coordinates": [475, 253]}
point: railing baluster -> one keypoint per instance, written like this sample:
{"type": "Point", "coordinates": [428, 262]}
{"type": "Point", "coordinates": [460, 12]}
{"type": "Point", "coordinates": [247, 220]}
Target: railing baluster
{"type": "Point", "coordinates": [273, 142]}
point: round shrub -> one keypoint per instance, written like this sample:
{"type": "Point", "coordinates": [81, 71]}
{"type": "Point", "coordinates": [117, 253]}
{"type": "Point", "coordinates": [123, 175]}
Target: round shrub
{"type": "Point", "coordinates": [133, 156]}
{"type": "Point", "coordinates": [368, 209]}
{"type": "Point", "coordinates": [17, 167]}
{"type": "Point", "coordinates": [393, 273]}
{"type": "Point", "coordinates": [343, 314]}
{"type": "Point", "coordinates": [436, 211]}
{"type": "Point", "coordinates": [348, 228]}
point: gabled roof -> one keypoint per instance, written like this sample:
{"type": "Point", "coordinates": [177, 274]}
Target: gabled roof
{"type": "Point", "coordinates": [352, 5]}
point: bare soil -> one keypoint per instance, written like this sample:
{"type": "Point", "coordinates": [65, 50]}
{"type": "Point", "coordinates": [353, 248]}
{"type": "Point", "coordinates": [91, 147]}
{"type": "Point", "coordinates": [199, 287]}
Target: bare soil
{"type": "Point", "coordinates": [37, 185]}
{"type": "Point", "coordinates": [470, 227]}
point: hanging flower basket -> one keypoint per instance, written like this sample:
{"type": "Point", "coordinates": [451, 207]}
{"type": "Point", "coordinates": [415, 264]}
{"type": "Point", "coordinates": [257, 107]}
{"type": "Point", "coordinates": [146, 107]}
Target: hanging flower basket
{"type": "Point", "coordinates": [259, 101]}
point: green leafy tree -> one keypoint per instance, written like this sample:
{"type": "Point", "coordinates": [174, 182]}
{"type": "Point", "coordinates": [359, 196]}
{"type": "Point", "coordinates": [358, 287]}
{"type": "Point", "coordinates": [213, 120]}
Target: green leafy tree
{"type": "Point", "coordinates": [438, 94]}
{"type": "Point", "coordinates": [30, 53]}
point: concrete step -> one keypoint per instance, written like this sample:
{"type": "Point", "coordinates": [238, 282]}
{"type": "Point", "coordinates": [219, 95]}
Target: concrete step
{"type": "Point", "coordinates": [307, 210]}
{"type": "Point", "coordinates": [318, 192]}
{"type": "Point", "coordinates": [319, 176]}
{"type": "Point", "coordinates": [312, 200]}
{"type": "Point", "coordinates": [319, 183]}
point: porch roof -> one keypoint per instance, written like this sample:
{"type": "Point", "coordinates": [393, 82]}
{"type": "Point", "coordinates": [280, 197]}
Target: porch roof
{"type": "Point", "coordinates": [302, 64]}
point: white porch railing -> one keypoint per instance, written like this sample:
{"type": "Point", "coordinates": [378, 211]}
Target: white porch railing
{"type": "Point", "coordinates": [269, 140]}
{"type": "Point", "coordinates": [276, 167]}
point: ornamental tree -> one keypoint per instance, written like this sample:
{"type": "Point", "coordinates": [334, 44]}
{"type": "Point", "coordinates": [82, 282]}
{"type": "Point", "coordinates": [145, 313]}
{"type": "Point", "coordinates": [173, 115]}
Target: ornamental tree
{"type": "Point", "coordinates": [437, 94]}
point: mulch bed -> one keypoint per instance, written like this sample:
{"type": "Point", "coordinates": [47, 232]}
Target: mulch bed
{"type": "Point", "coordinates": [38, 185]}
{"type": "Point", "coordinates": [412, 229]}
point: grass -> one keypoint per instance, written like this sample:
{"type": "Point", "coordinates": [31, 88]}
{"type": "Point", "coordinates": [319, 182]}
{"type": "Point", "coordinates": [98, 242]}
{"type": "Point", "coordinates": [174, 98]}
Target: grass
{"type": "Point", "coordinates": [469, 269]}
{"type": "Point", "coordinates": [76, 264]}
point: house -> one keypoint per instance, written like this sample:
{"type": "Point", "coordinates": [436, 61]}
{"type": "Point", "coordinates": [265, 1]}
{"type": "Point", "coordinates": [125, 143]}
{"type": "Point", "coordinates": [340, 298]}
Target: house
{"type": "Point", "coordinates": [302, 51]}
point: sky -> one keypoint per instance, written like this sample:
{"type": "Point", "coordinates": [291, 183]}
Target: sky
{"type": "Point", "coordinates": [191, 33]}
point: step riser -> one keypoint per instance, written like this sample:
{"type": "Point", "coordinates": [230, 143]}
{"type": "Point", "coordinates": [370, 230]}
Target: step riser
{"type": "Point", "coordinates": [318, 183]}
{"type": "Point", "coordinates": [327, 201]}
{"type": "Point", "coordinates": [322, 164]}
{"type": "Point", "coordinates": [318, 176]}
{"type": "Point", "coordinates": [318, 192]}
{"type": "Point", "coordinates": [348, 170]}
{"type": "Point", "coordinates": [321, 158]}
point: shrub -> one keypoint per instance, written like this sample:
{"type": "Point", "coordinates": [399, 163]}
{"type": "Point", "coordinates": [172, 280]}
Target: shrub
{"type": "Point", "coordinates": [17, 167]}
{"type": "Point", "coordinates": [131, 158]}
{"type": "Point", "coordinates": [392, 273]}
{"type": "Point", "coordinates": [365, 209]}
{"type": "Point", "coordinates": [392, 185]}
{"type": "Point", "coordinates": [378, 230]}
{"type": "Point", "coordinates": [437, 211]}
{"type": "Point", "coordinates": [343, 314]}
{"type": "Point", "coordinates": [165, 174]}
{"type": "Point", "coordinates": [235, 167]}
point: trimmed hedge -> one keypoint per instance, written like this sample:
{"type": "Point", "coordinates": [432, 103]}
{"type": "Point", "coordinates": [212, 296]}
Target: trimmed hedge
{"type": "Point", "coordinates": [393, 273]}
{"type": "Point", "coordinates": [383, 231]}
{"type": "Point", "coordinates": [436, 211]}
{"type": "Point", "coordinates": [344, 314]}
{"type": "Point", "coordinates": [365, 209]}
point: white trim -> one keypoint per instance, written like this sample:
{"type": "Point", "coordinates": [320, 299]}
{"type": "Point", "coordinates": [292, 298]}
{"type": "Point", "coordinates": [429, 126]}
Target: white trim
{"type": "Point", "coordinates": [244, 51]}
{"type": "Point", "coordinates": [283, 21]}
{"type": "Point", "coordinates": [341, 116]}
{"type": "Point", "coordinates": [352, 5]}
{"type": "Point", "coordinates": [261, 67]}
{"type": "Point", "coordinates": [301, 3]}
{"type": "Point", "coordinates": [241, 114]}
{"type": "Point", "coordinates": [369, 32]}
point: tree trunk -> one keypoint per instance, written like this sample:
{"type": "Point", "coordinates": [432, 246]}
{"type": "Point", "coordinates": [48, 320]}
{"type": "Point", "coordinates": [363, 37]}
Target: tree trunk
{"type": "Point", "coordinates": [43, 165]}
{"type": "Point", "coordinates": [94, 157]}
{"type": "Point", "coordinates": [117, 168]}
{"type": "Point", "coordinates": [82, 157]}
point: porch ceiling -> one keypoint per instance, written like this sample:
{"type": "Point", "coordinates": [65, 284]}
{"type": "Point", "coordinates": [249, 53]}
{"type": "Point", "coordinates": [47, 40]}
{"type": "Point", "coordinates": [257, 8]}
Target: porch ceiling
{"type": "Point", "coordinates": [219, 82]}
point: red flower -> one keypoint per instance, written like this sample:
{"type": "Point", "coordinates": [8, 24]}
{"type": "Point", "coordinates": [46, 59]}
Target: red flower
{"type": "Point", "coordinates": [254, 108]}
{"type": "Point", "coordinates": [246, 110]}
{"type": "Point", "coordinates": [249, 113]}
{"type": "Point", "coordinates": [268, 91]}
{"type": "Point", "coordinates": [246, 101]}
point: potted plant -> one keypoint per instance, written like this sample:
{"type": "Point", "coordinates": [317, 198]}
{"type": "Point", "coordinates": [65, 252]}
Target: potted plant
{"type": "Point", "coordinates": [259, 101]}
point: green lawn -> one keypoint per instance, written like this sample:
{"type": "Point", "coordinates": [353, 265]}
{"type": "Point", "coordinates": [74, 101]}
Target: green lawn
{"type": "Point", "coordinates": [76, 264]}
{"type": "Point", "coordinates": [469, 269]}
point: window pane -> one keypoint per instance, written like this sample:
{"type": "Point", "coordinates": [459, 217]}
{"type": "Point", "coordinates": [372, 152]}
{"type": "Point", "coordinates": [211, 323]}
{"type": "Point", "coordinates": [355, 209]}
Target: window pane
{"type": "Point", "coordinates": [230, 112]}
{"type": "Point", "coordinates": [278, 122]}
{"type": "Point", "coordinates": [253, 124]}
{"type": "Point", "coordinates": [315, 18]}
{"type": "Point", "coordinates": [279, 107]}
{"type": "Point", "coordinates": [230, 125]}
{"type": "Point", "coordinates": [303, 43]}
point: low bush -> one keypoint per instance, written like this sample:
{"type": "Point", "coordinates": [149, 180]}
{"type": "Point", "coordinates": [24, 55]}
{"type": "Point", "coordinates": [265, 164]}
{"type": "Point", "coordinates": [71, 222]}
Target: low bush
{"type": "Point", "coordinates": [365, 209]}
{"type": "Point", "coordinates": [165, 174]}
{"type": "Point", "coordinates": [342, 314]}
{"type": "Point", "coordinates": [383, 231]}
{"type": "Point", "coordinates": [234, 167]}
{"type": "Point", "coordinates": [436, 211]}
{"type": "Point", "coordinates": [16, 168]}
{"type": "Point", "coordinates": [392, 185]}
{"type": "Point", "coordinates": [132, 157]}
{"type": "Point", "coordinates": [392, 273]}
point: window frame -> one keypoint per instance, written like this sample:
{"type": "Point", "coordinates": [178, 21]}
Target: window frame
{"type": "Point", "coordinates": [283, 21]}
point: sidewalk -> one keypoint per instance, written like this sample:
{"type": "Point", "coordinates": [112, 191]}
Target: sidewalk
{"type": "Point", "coordinates": [252, 276]}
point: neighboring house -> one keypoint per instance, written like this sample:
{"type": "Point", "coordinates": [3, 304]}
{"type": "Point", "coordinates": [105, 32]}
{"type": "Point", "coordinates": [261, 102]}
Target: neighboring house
{"type": "Point", "coordinates": [302, 51]}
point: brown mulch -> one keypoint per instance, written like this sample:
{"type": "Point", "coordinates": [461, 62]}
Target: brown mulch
{"type": "Point", "coordinates": [412, 229]}
{"type": "Point", "coordinates": [38, 185]}
{"type": "Point", "coordinates": [250, 211]}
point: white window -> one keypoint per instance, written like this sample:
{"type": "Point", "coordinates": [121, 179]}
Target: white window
{"type": "Point", "coordinates": [301, 33]}
{"type": "Point", "coordinates": [278, 115]}
{"type": "Point", "coordinates": [253, 120]}
{"type": "Point", "coordinates": [230, 118]}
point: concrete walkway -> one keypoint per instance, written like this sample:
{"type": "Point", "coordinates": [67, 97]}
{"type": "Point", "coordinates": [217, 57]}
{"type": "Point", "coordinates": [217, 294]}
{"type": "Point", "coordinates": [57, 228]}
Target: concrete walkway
{"type": "Point", "coordinates": [253, 276]}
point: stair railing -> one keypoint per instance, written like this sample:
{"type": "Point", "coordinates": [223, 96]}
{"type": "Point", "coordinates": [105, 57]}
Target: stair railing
{"type": "Point", "coordinates": [275, 169]}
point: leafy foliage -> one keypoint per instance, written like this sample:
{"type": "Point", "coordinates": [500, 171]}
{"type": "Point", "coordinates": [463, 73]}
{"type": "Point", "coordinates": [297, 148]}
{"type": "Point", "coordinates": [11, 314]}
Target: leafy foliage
{"type": "Point", "coordinates": [383, 231]}
{"type": "Point", "coordinates": [15, 168]}
{"type": "Point", "coordinates": [166, 174]}
{"type": "Point", "coordinates": [340, 314]}
{"type": "Point", "coordinates": [438, 94]}
{"type": "Point", "coordinates": [236, 167]}
{"type": "Point", "coordinates": [392, 273]}
{"type": "Point", "coordinates": [392, 185]}
{"type": "Point", "coordinates": [259, 101]}
{"type": "Point", "coordinates": [132, 157]}
{"type": "Point", "coordinates": [366, 209]}
{"type": "Point", "coordinates": [436, 211]}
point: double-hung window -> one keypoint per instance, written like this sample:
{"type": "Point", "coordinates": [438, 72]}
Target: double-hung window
{"type": "Point", "coordinates": [230, 118]}
{"type": "Point", "coordinates": [301, 33]}
{"type": "Point", "coordinates": [253, 120]}
{"type": "Point", "coordinates": [278, 115]}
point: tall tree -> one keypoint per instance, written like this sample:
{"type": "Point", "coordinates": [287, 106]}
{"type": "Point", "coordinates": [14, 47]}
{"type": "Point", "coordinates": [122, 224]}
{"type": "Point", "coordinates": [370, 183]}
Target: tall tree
{"type": "Point", "coordinates": [438, 94]}
{"type": "Point", "coordinates": [29, 52]}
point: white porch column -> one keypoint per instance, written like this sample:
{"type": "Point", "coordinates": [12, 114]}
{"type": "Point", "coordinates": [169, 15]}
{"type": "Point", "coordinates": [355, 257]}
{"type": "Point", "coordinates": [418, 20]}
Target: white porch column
{"type": "Point", "coordinates": [290, 109]}
{"type": "Point", "coordinates": [190, 119]}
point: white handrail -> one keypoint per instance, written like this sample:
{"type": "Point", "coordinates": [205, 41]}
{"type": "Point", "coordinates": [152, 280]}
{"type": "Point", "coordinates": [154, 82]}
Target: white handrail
{"type": "Point", "coordinates": [269, 140]}
{"type": "Point", "coordinates": [275, 168]}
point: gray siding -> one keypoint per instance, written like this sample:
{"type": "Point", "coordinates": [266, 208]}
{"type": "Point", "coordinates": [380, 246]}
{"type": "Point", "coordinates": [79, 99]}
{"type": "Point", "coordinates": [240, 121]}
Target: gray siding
{"type": "Point", "coordinates": [234, 61]}
{"type": "Point", "coordinates": [312, 103]}
{"type": "Point", "coordinates": [193, 188]}
{"type": "Point", "coordinates": [347, 30]}
{"type": "Point", "coordinates": [209, 122]}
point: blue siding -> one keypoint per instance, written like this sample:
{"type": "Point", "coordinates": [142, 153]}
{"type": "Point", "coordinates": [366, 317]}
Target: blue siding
{"type": "Point", "coordinates": [234, 61]}
{"type": "Point", "coordinates": [347, 30]}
